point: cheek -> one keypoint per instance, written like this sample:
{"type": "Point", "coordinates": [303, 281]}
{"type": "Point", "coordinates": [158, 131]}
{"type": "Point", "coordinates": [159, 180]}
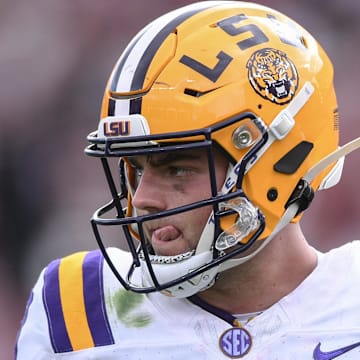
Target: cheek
{"type": "Point", "coordinates": [190, 193]}
{"type": "Point", "coordinates": [195, 221]}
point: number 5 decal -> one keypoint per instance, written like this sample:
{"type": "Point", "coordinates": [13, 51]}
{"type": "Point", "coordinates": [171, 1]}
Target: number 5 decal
{"type": "Point", "coordinates": [258, 37]}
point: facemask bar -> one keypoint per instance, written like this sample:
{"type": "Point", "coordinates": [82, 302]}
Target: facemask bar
{"type": "Point", "coordinates": [110, 147]}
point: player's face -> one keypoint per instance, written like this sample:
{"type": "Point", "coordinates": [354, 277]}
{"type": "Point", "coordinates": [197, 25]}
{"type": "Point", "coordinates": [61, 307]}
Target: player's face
{"type": "Point", "coordinates": [166, 181]}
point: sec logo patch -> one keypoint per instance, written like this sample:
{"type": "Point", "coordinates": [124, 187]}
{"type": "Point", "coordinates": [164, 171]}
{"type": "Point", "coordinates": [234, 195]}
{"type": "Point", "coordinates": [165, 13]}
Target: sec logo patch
{"type": "Point", "coordinates": [235, 342]}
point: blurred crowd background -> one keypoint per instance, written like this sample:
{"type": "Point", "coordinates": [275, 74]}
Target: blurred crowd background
{"type": "Point", "coordinates": [55, 57]}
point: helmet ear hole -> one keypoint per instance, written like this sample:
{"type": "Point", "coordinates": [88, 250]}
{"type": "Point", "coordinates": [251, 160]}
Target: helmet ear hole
{"type": "Point", "coordinates": [272, 194]}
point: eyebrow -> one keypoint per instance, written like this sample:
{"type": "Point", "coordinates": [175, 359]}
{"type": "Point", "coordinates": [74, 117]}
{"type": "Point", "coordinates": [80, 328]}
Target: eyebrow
{"type": "Point", "coordinates": [164, 159]}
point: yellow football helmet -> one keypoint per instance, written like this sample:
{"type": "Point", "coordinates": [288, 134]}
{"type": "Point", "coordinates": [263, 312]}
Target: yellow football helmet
{"type": "Point", "coordinates": [233, 75]}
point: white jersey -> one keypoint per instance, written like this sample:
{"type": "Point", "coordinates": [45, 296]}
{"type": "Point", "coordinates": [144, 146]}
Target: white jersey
{"type": "Point", "coordinates": [78, 310]}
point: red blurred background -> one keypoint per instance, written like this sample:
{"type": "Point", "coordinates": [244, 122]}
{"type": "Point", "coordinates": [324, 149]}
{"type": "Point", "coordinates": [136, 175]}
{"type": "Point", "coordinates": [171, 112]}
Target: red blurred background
{"type": "Point", "coordinates": [55, 58]}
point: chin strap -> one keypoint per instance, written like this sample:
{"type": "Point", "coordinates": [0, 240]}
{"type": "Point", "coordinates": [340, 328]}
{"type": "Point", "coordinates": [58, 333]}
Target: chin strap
{"type": "Point", "coordinates": [331, 158]}
{"type": "Point", "coordinates": [293, 208]}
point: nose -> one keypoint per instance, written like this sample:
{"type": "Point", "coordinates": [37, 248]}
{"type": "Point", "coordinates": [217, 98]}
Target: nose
{"type": "Point", "coordinates": [148, 195]}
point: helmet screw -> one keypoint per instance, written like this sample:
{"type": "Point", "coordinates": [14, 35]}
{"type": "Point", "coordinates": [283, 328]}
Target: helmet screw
{"type": "Point", "coordinates": [272, 194]}
{"type": "Point", "coordinates": [242, 137]}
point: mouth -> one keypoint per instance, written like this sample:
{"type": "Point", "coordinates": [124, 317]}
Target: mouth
{"type": "Point", "coordinates": [167, 240]}
{"type": "Point", "coordinates": [165, 234]}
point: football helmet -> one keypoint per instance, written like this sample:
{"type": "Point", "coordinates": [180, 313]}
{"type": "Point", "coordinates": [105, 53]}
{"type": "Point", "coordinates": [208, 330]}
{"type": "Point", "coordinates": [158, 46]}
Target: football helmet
{"type": "Point", "coordinates": [239, 77]}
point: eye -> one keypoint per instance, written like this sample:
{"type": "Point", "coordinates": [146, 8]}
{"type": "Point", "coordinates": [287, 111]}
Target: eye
{"type": "Point", "coordinates": [178, 171]}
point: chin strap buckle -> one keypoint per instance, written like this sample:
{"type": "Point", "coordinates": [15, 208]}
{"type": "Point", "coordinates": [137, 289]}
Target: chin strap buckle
{"type": "Point", "coordinates": [302, 195]}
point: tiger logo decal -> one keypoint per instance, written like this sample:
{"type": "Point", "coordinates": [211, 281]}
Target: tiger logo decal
{"type": "Point", "coordinates": [273, 75]}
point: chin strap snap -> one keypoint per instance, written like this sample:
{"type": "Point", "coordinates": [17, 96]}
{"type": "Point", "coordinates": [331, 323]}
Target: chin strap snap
{"type": "Point", "coordinates": [302, 195]}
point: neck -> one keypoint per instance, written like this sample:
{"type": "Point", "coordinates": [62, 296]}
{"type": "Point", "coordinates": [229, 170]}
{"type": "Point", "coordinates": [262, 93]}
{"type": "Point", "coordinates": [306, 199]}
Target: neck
{"type": "Point", "coordinates": [262, 281]}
